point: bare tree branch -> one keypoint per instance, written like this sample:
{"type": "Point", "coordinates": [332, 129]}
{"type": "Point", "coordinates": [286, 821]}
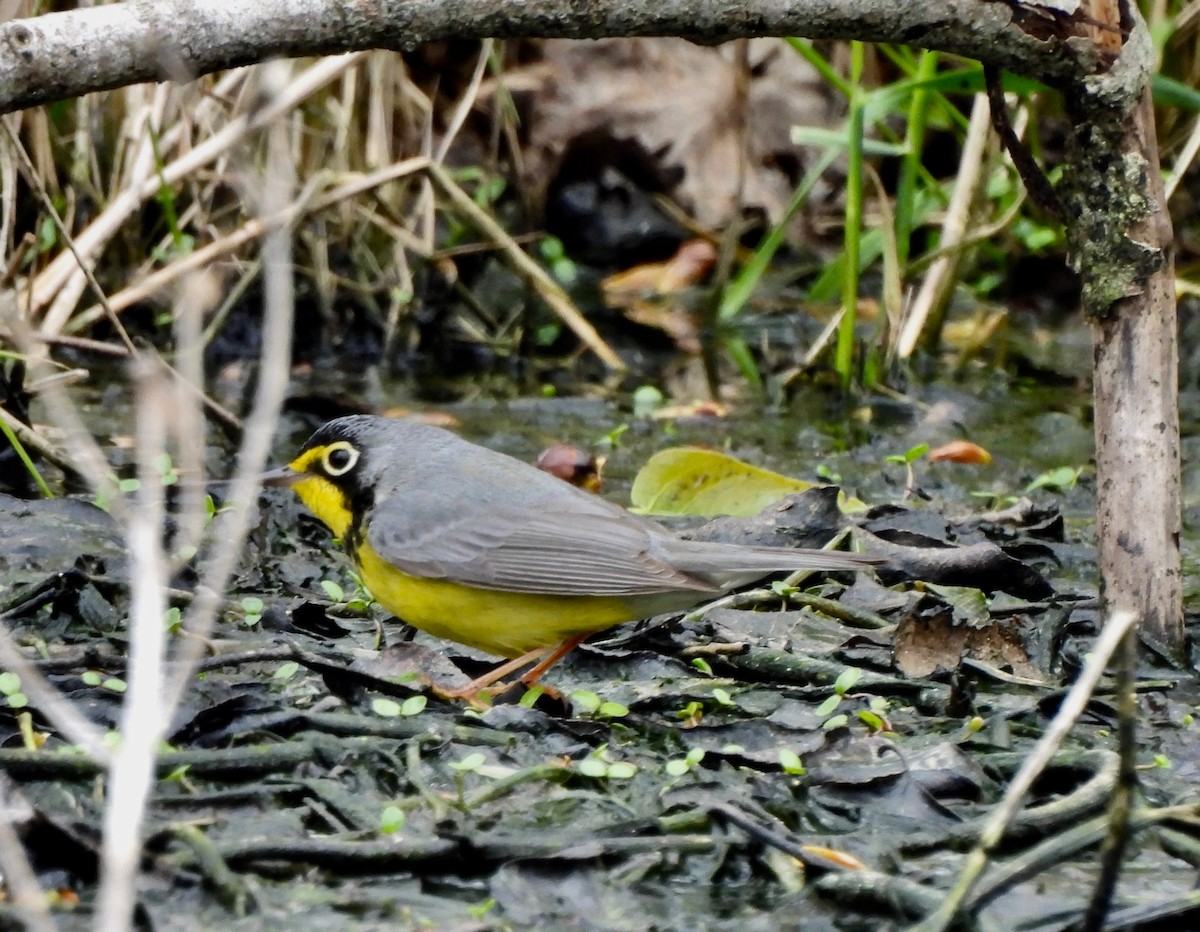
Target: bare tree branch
{"type": "Point", "coordinates": [64, 55]}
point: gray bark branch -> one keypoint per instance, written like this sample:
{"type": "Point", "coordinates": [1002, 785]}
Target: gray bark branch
{"type": "Point", "coordinates": [63, 55]}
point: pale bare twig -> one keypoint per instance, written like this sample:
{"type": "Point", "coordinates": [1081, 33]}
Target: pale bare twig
{"type": "Point", "coordinates": [144, 717]}
{"type": "Point", "coordinates": [465, 103]}
{"type": "Point", "coordinates": [231, 526]}
{"type": "Point", "coordinates": [15, 869]}
{"type": "Point", "coordinates": [940, 280]}
{"type": "Point", "coordinates": [1183, 161]}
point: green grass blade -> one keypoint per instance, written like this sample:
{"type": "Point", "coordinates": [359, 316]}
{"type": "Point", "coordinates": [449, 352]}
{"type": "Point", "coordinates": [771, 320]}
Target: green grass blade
{"type": "Point", "coordinates": [914, 144]}
{"type": "Point", "coordinates": [25, 460]}
{"type": "Point", "coordinates": [844, 354]}
{"type": "Point", "coordinates": [820, 64]}
{"type": "Point", "coordinates": [742, 286]}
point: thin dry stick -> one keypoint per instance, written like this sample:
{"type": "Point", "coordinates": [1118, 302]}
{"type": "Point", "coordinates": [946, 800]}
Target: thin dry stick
{"type": "Point", "coordinates": [1040, 190]}
{"type": "Point", "coordinates": [143, 715]}
{"type": "Point", "coordinates": [16, 258]}
{"type": "Point", "coordinates": [35, 182]}
{"type": "Point", "coordinates": [88, 242]}
{"type": "Point", "coordinates": [549, 290]}
{"type": "Point", "coordinates": [82, 452]}
{"type": "Point", "coordinates": [940, 279]}
{"type": "Point", "coordinates": [424, 206]}
{"type": "Point", "coordinates": [8, 192]}
{"type": "Point", "coordinates": [463, 109]}
{"type": "Point", "coordinates": [978, 235]}
{"type": "Point", "coordinates": [303, 206]}
{"type": "Point", "coordinates": [1184, 160]}
{"type": "Point", "coordinates": [233, 524]}
{"type": "Point", "coordinates": [893, 288]}
{"type": "Point", "coordinates": [233, 298]}
{"type": "Point", "coordinates": [32, 440]}
{"type": "Point", "coordinates": [1120, 807]}
{"type": "Point", "coordinates": [198, 295]}
{"type": "Point", "coordinates": [81, 343]}
{"type": "Point", "coordinates": [1041, 755]}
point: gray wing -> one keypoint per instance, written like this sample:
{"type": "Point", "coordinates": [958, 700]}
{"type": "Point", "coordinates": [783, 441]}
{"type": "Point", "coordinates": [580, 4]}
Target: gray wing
{"type": "Point", "coordinates": [604, 554]}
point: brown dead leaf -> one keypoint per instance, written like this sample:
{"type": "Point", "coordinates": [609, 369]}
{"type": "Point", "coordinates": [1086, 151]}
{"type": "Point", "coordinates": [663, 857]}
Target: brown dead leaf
{"type": "Point", "coordinates": [924, 644]}
{"type": "Point", "coordinates": [960, 451]}
{"type": "Point", "coordinates": [680, 323]}
{"type": "Point", "coordinates": [405, 659]}
{"type": "Point", "coordinates": [679, 99]}
{"type": "Point", "coordinates": [645, 293]}
{"type": "Point", "coordinates": [690, 264]}
{"type": "Point", "coordinates": [841, 858]}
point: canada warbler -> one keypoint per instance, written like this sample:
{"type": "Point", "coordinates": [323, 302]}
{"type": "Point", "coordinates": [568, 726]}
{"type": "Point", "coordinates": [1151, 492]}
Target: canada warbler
{"type": "Point", "coordinates": [476, 547]}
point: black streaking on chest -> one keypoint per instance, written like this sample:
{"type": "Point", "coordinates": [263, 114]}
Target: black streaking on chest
{"type": "Point", "coordinates": [361, 503]}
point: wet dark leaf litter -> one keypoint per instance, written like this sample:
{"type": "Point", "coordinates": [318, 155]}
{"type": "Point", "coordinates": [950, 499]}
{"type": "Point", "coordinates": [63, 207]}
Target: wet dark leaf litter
{"type": "Point", "coordinates": [724, 774]}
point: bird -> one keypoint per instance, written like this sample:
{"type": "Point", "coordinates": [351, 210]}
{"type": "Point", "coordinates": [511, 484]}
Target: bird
{"type": "Point", "coordinates": [477, 547]}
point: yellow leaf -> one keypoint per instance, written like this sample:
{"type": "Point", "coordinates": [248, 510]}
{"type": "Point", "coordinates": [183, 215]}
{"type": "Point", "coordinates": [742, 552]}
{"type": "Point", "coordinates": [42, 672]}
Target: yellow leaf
{"type": "Point", "coordinates": [695, 481]}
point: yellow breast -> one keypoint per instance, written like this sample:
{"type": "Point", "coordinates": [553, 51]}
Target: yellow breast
{"type": "Point", "coordinates": [505, 623]}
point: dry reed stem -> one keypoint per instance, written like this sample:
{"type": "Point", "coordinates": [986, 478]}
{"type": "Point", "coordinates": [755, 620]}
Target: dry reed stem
{"type": "Point", "coordinates": [928, 307]}
{"type": "Point", "coordinates": [63, 271]}
{"type": "Point", "coordinates": [307, 204]}
{"type": "Point", "coordinates": [35, 183]}
{"type": "Point", "coordinates": [1184, 160]}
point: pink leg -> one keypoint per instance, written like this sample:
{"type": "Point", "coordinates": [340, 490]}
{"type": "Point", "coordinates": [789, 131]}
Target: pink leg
{"type": "Point", "coordinates": [550, 656]}
{"type": "Point", "coordinates": [554, 657]}
{"type": "Point", "coordinates": [472, 688]}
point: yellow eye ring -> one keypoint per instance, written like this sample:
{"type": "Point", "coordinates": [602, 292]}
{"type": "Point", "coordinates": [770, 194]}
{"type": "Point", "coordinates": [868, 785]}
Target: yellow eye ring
{"type": "Point", "coordinates": [339, 458]}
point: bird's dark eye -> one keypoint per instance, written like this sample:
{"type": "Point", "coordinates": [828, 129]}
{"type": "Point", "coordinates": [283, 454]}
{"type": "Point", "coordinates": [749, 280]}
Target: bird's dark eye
{"type": "Point", "coordinates": [339, 459]}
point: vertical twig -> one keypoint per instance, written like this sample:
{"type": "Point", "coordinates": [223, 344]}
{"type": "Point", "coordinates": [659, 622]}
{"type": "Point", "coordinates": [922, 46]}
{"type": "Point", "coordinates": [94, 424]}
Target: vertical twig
{"type": "Point", "coordinates": [199, 293]}
{"type": "Point", "coordinates": [151, 698]}
{"type": "Point", "coordinates": [229, 530]}
{"type": "Point", "coordinates": [143, 716]}
{"type": "Point", "coordinates": [938, 284]}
